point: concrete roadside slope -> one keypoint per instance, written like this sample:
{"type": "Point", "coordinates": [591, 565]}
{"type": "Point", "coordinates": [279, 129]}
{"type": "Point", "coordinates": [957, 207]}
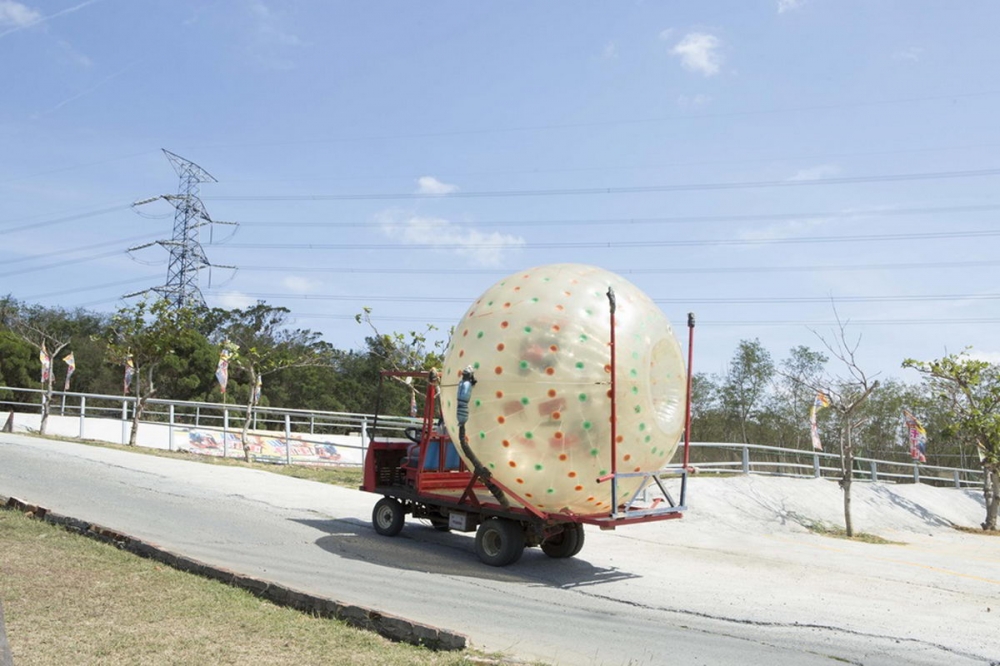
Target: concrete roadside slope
{"type": "Point", "coordinates": [738, 580]}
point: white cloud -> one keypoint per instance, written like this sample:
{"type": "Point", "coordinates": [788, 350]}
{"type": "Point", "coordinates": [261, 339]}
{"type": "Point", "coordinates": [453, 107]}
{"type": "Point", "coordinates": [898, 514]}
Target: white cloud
{"type": "Point", "coordinates": [912, 54]}
{"type": "Point", "coordinates": [431, 185]}
{"type": "Point", "coordinates": [693, 101]}
{"type": "Point", "coordinates": [299, 285]}
{"type": "Point", "coordinates": [817, 172]}
{"type": "Point", "coordinates": [699, 52]}
{"type": "Point", "coordinates": [232, 300]}
{"type": "Point", "coordinates": [481, 248]}
{"type": "Point", "coordinates": [666, 34]}
{"type": "Point", "coordinates": [789, 5]}
{"type": "Point", "coordinates": [18, 15]}
{"type": "Point", "coordinates": [269, 29]}
{"type": "Point", "coordinates": [610, 51]}
{"type": "Point", "coordinates": [788, 229]}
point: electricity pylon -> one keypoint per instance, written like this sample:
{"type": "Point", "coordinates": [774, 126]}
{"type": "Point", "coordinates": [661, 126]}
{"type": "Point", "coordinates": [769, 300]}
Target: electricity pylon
{"type": "Point", "coordinates": [186, 254]}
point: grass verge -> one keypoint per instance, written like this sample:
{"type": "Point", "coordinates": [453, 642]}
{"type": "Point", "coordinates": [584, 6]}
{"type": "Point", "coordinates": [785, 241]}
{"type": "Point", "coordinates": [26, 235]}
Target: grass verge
{"type": "Point", "coordinates": [824, 529]}
{"type": "Point", "coordinates": [71, 600]}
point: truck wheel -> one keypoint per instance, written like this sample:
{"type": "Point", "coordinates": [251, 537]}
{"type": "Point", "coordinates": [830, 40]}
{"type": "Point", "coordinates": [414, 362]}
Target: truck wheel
{"type": "Point", "coordinates": [565, 544]}
{"type": "Point", "coordinates": [499, 542]}
{"type": "Point", "coordinates": [387, 516]}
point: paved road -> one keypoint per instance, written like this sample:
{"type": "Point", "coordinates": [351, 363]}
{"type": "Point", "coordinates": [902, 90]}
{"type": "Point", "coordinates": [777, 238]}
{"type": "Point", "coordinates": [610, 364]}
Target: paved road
{"type": "Point", "coordinates": [686, 591]}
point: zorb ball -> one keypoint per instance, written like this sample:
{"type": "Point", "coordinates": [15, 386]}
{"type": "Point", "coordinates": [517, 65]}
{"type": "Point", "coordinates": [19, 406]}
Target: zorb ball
{"type": "Point", "coordinates": [539, 342]}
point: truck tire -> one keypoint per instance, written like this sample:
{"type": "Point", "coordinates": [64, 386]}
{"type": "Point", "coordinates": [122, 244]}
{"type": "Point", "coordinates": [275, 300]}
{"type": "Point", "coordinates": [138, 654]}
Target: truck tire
{"type": "Point", "coordinates": [388, 516]}
{"type": "Point", "coordinates": [567, 543]}
{"type": "Point", "coordinates": [499, 542]}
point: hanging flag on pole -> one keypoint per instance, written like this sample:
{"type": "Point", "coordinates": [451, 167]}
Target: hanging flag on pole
{"type": "Point", "coordinates": [222, 369]}
{"type": "Point", "coordinates": [918, 437]}
{"type": "Point", "coordinates": [256, 390]}
{"type": "Point", "coordinates": [819, 403]}
{"type": "Point", "coordinates": [70, 368]}
{"type": "Point", "coordinates": [129, 371]}
{"type": "Point", "coordinates": [46, 360]}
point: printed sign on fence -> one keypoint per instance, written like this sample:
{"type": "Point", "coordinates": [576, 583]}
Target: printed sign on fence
{"type": "Point", "coordinates": [271, 447]}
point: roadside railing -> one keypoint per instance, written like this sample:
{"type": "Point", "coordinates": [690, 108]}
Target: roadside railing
{"type": "Point", "coordinates": [304, 427]}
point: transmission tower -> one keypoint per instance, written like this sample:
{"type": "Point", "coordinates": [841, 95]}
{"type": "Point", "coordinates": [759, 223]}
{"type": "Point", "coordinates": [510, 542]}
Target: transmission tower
{"type": "Point", "coordinates": [187, 257]}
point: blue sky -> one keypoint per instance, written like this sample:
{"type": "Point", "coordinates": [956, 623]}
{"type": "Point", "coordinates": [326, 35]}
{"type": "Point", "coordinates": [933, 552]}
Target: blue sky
{"type": "Point", "coordinates": [757, 162]}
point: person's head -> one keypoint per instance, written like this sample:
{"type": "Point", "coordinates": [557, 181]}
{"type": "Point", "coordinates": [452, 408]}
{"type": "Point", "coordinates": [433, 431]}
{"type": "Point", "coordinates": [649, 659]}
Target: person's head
{"type": "Point", "coordinates": [468, 375]}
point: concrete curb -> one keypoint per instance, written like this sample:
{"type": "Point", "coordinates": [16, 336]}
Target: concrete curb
{"type": "Point", "coordinates": [392, 627]}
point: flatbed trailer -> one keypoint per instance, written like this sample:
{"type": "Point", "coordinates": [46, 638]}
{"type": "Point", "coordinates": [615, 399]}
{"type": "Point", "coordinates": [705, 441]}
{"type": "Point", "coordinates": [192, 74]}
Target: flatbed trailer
{"type": "Point", "coordinates": [424, 476]}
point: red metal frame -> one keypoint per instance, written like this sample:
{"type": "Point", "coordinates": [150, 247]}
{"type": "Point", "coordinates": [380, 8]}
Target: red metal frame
{"type": "Point", "coordinates": [461, 490]}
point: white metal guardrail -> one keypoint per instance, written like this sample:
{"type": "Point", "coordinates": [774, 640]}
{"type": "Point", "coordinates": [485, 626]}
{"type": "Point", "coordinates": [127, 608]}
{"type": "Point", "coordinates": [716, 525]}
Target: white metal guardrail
{"type": "Point", "coordinates": [307, 426]}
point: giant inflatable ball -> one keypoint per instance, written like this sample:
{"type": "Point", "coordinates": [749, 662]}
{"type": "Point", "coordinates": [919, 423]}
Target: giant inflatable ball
{"type": "Point", "coordinates": [540, 412]}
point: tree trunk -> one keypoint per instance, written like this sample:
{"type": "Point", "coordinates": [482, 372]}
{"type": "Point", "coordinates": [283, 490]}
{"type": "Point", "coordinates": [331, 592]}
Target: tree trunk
{"type": "Point", "coordinates": [140, 404]}
{"type": "Point", "coordinates": [246, 427]}
{"type": "Point", "coordinates": [845, 482]}
{"type": "Point", "coordinates": [991, 492]}
{"type": "Point", "coordinates": [46, 401]}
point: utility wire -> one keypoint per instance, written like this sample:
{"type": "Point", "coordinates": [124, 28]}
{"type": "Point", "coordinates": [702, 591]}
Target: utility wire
{"type": "Point", "coordinates": [59, 220]}
{"type": "Point", "coordinates": [730, 301]}
{"type": "Point", "coordinates": [90, 288]}
{"type": "Point", "coordinates": [815, 268]}
{"type": "Point", "coordinates": [701, 321]}
{"type": "Point", "coordinates": [639, 189]}
{"type": "Point", "coordinates": [79, 248]}
{"type": "Point", "coordinates": [618, 244]}
{"type": "Point", "coordinates": [683, 219]}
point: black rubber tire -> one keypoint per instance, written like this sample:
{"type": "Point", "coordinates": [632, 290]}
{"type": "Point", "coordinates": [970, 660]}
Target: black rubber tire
{"type": "Point", "coordinates": [388, 516]}
{"type": "Point", "coordinates": [499, 542]}
{"type": "Point", "coordinates": [567, 543]}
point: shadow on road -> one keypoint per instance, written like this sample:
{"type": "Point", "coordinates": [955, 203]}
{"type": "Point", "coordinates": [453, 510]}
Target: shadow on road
{"type": "Point", "coordinates": [419, 547]}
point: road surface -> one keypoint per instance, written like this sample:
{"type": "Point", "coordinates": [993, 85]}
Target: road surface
{"type": "Point", "coordinates": [737, 581]}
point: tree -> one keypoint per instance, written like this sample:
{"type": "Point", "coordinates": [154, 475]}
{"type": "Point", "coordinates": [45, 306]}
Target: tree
{"type": "Point", "coordinates": [146, 334]}
{"type": "Point", "coordinates": [847, 395]}
{"type": "Point", "coordinates": [795, 392]}
{"type": "Point", "coordinates": [971, 390]}
{"type": "Point", "coordinates": [750, 372]}
{"type": "Point", "coordinates": [260, 344]}
{"type": "Point", "coordinates": [45, 331]}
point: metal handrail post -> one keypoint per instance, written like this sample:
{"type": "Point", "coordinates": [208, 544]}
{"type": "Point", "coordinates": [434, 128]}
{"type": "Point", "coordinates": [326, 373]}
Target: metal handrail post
{"type": "Point", "coordinates": [170, 429]}
{"type": "Point", "coordinates": [746, 459]}
{"type": "Point", "coordinates": [288, 439]}
{"type": "Point", "coordinates": [83, 413]}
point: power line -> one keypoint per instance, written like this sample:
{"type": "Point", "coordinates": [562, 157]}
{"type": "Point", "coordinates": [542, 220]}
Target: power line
{"type": "Point", "coordinates": [702, 321]}
{"type": "Point", "coordinates": [639, 189]}
{"type": "Point", "coordinates": [814, 268]}
{"type": "Point", "coordinates": [59, 220]}
{"type": "Point", "coordinates": [617, 244]}
{"type": "Point", "coordinates": [696, 300]}
{"type": "Point", "coordinates": [80, 248]}
{"type": "Point", "coordinates": [89, 288]}
{"type": "Point", "coordinates": [606, 123]}
{"type": "Point", "coordinates": [683, 219]}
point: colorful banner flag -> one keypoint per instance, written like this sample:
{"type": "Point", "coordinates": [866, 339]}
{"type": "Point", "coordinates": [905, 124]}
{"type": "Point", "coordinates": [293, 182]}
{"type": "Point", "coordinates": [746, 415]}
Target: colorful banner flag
{"type": "Point", "coordinates": [918, 437]}
{"type": "Point", "coordinates": [256, 390]}
{"type": "Point", "coordinates": [70, 368]}
{"type": "Point", "coordinates": [46, 360]}
{"type": "Point", "coordinates": [222, 369]}
{"type": "Point", "coordinates": [821, 401]}
{"type": "Point", "coordinates": [129, 372]}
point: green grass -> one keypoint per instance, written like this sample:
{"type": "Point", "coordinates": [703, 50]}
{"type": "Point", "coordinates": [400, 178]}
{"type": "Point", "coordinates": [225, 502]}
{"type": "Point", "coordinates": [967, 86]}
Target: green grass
{"type": "Point", "coordinates": [836, 532]}
{"type": "Point", "coordinates": [71, 600]}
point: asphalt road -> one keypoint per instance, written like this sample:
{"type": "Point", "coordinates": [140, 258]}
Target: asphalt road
{"type": "Point", "coordinates": [699, 591]}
